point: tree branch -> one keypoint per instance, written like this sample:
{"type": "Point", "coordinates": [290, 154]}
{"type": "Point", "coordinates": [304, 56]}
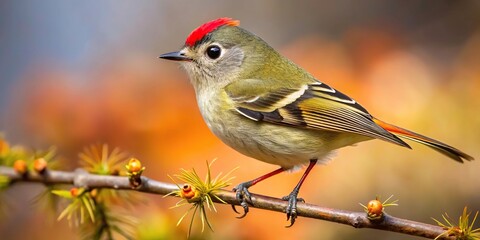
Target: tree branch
{"type": "Point", "coordinates": [80, 178]}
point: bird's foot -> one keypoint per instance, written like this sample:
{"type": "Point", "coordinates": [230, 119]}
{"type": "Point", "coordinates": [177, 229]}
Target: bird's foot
{"type": "Point", "coordinates": [243, 196]}
{"type": "Point", "coordinates": [292, 206]}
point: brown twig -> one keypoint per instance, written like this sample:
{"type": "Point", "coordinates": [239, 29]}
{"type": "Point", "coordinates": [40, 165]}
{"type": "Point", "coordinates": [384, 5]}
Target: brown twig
{"type": "Point", "coordinates": [80, 178]}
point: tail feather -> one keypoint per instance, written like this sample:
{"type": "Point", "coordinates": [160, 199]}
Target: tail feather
{"type": "Point", "coordinates": [443, 148]}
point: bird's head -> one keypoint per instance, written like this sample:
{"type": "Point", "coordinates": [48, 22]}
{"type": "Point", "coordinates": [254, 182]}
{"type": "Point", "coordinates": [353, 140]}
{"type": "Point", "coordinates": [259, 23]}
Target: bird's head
{"type": "Point", "coordinates": [218, 52]}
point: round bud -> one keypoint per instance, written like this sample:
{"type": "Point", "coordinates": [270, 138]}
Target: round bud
{"type": "Point", "coordinates": [74, 192]}
{"type": "Point", "coordinates": [40, 165]}
{"type": "Point", "coordinates": [134, 165]}
{"type": "Point", "coordinates": [375, 208]}
{"type": "Point", "coordinates": [20, 166]}
{"type": "Point", "coordinates": [188, 191]}
{"type": "Point", "coordinates": [94, 192]}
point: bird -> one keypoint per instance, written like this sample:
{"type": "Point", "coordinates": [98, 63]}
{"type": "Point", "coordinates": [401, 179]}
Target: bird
{"type": "Point", "coordinates": [266, 107]}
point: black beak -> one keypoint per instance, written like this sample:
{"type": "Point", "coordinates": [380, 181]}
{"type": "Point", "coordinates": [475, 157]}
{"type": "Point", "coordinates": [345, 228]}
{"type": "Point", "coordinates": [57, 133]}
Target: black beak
{"type": "Point", "coordinates": [175, 56]}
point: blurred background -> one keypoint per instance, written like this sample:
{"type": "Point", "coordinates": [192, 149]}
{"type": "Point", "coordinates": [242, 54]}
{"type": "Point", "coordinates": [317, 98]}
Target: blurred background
{"type": "Point", "coordinates": [73, 73]}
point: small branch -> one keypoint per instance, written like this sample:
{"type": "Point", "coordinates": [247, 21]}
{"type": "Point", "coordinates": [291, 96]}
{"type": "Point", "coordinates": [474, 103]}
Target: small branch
{"type": "Point", "coordinates": [80, 178]}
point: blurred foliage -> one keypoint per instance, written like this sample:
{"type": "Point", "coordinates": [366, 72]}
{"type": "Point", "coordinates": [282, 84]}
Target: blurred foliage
{"type": "Point", "coordinates": [33, 159]}
{"type": "Point", "coordinates": [81, 207]}
{"type": "Point", "coordinates": [98, 212]}
{"type": "Point", "coordinates": [199, 194]}
{"type": "Point", "coordinates": [98, 160]}
{"type": "Point", "coordinates": [463, 230]}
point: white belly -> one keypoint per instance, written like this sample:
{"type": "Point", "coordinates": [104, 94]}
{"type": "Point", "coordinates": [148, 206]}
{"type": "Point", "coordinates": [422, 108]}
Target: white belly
{"type": "Point", "coordinates": [287, 147]}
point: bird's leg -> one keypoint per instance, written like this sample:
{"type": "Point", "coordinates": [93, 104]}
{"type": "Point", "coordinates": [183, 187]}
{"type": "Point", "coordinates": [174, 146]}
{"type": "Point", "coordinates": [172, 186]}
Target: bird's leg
{"type": "Point", "coordinates": [244, 196]}
{"type": "Point", "coordinates": [292, 197]}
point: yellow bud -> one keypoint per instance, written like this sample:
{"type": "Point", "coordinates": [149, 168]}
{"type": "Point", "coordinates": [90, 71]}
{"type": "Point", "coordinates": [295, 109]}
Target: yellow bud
{"type": "Point", "coordinates": [94, 193]}
{"type": "Point", "coordinates": [134, 165]}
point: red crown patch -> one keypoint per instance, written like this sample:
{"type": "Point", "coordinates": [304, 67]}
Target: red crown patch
{"type": "Point", "coordinates": [207, 28]}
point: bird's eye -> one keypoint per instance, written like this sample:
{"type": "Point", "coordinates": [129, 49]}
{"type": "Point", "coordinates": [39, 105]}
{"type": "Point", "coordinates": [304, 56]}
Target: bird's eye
{"type": "Point", "coordinates": [213, 51]}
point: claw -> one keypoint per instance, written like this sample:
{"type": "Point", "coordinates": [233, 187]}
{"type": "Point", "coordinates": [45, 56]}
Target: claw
{"type": "Point", "coordinates": [292, 207]}
{"type": "Point", "coordinates": [245, 211]}
{"type": "Point", "coordinates": [244, 197]}
{"type": "Point", "coordinates": [292, 221]}
{"type": "Point", "coordinates": [235, 209]}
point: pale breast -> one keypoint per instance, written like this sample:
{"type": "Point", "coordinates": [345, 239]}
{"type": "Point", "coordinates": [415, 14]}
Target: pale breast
{"type": "Point", "coordinates": [276, 144]}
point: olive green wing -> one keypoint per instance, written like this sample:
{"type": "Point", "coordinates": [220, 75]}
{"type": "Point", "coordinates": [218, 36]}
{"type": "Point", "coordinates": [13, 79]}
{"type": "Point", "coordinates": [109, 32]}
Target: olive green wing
{"type": "Point", "coordinates": [314, 106]}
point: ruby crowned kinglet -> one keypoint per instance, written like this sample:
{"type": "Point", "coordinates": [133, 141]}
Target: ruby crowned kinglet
{"type": "Point", "coordinates": [266, 107]}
